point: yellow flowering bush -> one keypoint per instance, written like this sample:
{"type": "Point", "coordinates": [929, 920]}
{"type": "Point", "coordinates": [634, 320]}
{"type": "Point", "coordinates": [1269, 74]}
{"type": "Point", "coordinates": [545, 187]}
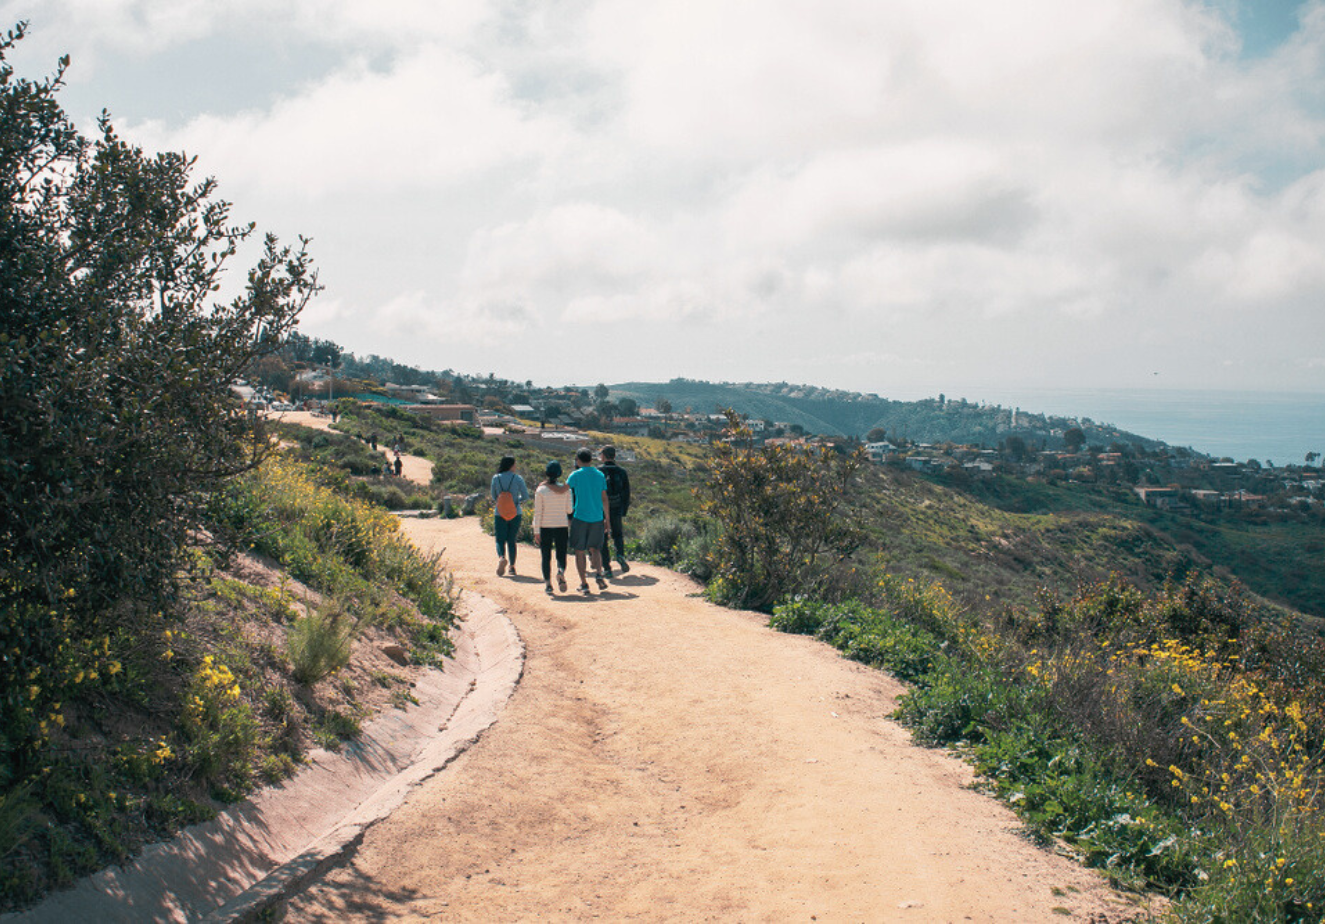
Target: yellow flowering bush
{"type": "Point", "coordinates": [217, 725]}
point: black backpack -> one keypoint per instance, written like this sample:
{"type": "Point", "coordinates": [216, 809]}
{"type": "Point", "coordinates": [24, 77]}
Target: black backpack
{"type": "Point", "coordinates": [614, 493]}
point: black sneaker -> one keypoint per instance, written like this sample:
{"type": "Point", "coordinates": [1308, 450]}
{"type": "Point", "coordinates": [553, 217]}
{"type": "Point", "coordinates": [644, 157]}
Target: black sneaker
{"type": "Point", "coordinates": [622, 564]}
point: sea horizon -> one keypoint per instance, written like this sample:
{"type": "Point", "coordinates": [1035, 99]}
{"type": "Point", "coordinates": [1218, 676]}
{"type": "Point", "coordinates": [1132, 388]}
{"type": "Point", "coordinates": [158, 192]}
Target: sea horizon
{"type": "Point", "coordinates": [1267, 426]}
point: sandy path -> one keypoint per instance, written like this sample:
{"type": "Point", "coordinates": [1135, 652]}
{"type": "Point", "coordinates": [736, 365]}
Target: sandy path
{"type": "Point", "coordinates": [664, 759]}
{"type": "Point", "coordinates": [412, 468]}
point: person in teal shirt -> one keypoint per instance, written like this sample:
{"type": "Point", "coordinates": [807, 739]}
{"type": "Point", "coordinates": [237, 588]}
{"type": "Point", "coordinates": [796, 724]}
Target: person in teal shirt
{"type": "Point", "coordinates": [588, 525]}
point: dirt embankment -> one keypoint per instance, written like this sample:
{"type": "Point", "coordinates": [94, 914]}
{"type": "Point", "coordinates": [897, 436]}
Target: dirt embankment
{"type": "Point", "coordinates": [665, 759]}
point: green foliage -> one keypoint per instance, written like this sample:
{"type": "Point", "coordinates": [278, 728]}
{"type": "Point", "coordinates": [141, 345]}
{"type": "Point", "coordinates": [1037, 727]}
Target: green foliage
{"type": "Point", "coordinates": [341, 547]}
{"type": "Point", "coordinates": [334, 727]}
{"type": "Point", "coordinates": [320, 643]}
{"type": "Point", "coordinates": [1168, 737]}
{"type": "Point", "coordinates": [115, 375]}
{"type": "Point", "coordinates": [140, 730]}
{"type": "Point", "coordinates": [218, 729]}
{"type": "Point", "coordinates": [775, 507]}
{"type": "Point", "coordinates": [18, 818]}
{"type": "Point", "coordinates": [961, 701]}
{"type": "Point", "coordinates": [893, 639]}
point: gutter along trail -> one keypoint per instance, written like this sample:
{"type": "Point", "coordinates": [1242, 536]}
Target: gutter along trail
{"type": "Point", "coordinates": [666, 759]}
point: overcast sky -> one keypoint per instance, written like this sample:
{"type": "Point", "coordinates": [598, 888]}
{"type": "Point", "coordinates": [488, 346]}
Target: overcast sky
{"type": "Point", "coordinates": [892, 196]}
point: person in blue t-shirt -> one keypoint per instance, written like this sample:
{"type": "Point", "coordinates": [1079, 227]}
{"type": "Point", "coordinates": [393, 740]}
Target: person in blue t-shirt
{"type": "Point", "coordinates": [588, 523]}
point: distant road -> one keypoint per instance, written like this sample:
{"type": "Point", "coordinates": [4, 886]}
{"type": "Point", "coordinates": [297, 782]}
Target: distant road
{"type": "Point", "coordinates": [664, 759]}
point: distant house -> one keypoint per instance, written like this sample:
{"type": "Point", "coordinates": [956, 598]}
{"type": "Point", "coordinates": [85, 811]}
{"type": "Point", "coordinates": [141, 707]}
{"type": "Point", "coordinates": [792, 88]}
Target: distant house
{"type": "Point", "coordinates": [877, 451]}
{"type": "Point", "coordinates": [416, 394]}
{"type": "Point", "coordinates": [447, 413]}
{"type": "Point", "coordinates": [1245, 498]}
{"type": "Point", "coordinates": [924, 463]}
{"type": "Point", "coordinates": [1150, 496]}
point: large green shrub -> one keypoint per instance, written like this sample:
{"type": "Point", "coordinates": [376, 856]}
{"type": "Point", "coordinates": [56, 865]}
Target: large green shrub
{"type": "Point", "coordinates": [775, 505]}
{"type": "Point", "coordinates": [116, 368]}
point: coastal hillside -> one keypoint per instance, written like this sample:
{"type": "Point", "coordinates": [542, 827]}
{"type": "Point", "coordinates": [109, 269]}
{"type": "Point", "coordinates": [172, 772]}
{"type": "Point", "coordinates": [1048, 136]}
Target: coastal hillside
{"type": "Point", "coordinates": [832, 412]}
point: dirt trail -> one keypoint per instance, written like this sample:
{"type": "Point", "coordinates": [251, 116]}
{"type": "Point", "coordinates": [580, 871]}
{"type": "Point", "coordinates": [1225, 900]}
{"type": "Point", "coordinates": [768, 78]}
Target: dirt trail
{"type": "Point", "coordinates": [413, 468]}
{"type": "Point", "coordinates": [668, 760]}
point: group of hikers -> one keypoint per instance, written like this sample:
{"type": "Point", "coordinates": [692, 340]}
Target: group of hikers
{"type": "Point", "coordinates": [389, 466]}
{"type": "Point", "coordinates": [584, 514]}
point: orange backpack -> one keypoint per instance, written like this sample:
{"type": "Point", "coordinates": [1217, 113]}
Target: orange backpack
{"type": "Point", "coordinates": [506, 508]}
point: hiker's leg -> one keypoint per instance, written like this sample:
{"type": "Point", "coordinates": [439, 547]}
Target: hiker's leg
{"type": "Point", "coordinates": [512, 533]}
{"type": "Point", "coordinates": [545, 554]}
{"type": "Point", "coordinates": [618, 537]}
{"type": "Point", "coordinates": [562, 539]}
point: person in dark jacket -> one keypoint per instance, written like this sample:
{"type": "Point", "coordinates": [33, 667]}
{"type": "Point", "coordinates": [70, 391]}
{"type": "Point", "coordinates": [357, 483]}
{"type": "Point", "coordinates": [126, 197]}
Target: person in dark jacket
{"type": "Point", "coordinates": [618, 501]}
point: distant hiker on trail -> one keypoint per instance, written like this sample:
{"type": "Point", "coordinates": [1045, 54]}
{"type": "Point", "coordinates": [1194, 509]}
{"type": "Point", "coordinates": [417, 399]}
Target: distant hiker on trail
{"type": "Point", "coordinates": [372, 441]}
{"type": "Point", "coordinates": [618, 502]}
{"type": "Point", "coordinates": [399, 465]}
{"type": "Point", "coordinates": [588, 525]}
{"type": "Point", "coordinates": [553, 504]}
{"type": "Point", "coordinates": [508, 493]}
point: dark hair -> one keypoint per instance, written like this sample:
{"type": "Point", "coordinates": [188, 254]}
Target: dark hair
{"type": "Point", "coordinates": [585, 455]}
{"type": "Point", "coordinates": [507, 463]}
{"type": "Point", "coordinates": [609, 452]}
{"type": "Point", "coordinates": [553, 471]}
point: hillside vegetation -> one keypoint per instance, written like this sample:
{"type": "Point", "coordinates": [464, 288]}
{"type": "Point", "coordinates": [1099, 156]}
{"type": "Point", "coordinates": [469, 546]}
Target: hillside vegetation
{"type": "Point", "coordinates": [841, 413]}
{"type": "Point", "coordinates": [182, 615]}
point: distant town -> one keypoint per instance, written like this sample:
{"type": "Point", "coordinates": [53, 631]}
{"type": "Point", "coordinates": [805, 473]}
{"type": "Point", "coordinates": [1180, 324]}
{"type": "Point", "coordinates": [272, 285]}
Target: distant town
{"type": "Point", "coordinates": [313, 374]}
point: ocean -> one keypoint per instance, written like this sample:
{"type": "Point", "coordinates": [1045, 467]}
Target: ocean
{"type": "Point", "coordinates": [1267, 426]}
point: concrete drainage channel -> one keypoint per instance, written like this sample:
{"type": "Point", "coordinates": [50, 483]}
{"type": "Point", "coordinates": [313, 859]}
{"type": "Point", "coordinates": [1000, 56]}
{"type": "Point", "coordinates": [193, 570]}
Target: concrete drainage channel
{"type": "Point", "coordinates": [258, 853]}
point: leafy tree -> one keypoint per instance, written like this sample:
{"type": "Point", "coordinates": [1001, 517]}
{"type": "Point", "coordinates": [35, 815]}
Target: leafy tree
{"type": "Point", "coordinates": [115, 368]}
{"type": "Point", "coordinates": [777, 509]}
{"type": "Point", "coordinates": [663, 406]}
{"type": "Point", "coordinates": [627, 407]}
{"type": "Point", "coordinates": [1074, 438]}
{"type": "Point", "coordinates": [601, 391]}
{"type": "Point", "coordinates": [876, 435]}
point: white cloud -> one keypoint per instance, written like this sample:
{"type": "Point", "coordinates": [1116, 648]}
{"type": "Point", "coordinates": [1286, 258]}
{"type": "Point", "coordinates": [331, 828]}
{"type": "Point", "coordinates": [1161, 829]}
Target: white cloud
{"type": "Point", "coordinates": [952, 183]}
{"type": "Point", "coordinates": [431, 120]}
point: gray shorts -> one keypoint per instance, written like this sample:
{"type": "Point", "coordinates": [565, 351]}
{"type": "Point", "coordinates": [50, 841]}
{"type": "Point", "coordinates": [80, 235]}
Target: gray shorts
{"type": "Point", "coordinates": [585, 536]}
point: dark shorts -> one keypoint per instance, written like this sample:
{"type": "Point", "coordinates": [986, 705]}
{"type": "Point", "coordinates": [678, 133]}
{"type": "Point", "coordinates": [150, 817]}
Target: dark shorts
{"type": "Point", "coordinates": [585, 536]}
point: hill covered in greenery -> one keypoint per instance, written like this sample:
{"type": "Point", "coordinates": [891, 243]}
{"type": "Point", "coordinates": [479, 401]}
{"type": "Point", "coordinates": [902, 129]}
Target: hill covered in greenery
{"type": "Point", "coordinates": [841, 413]}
